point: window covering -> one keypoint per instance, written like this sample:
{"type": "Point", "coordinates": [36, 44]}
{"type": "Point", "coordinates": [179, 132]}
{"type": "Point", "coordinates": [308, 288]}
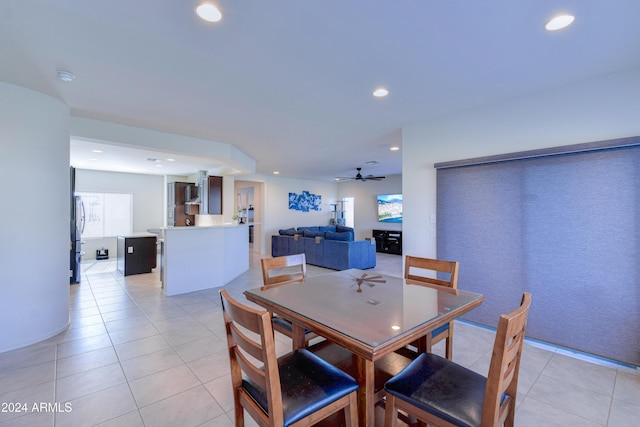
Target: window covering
{"type": "Point", "coordinates": [561, 223]}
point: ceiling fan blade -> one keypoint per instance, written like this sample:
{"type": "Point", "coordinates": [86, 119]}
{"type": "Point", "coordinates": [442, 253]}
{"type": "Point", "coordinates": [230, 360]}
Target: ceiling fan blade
{"type": "Point", "coordinates": [360, 177]}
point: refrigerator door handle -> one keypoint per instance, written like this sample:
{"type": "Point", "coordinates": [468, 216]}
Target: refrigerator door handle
{"type": "Point", "coordinates": [82, 218]}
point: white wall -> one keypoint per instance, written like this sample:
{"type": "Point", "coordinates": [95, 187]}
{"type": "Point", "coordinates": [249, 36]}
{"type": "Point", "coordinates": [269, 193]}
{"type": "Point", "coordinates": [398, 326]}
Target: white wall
{"type": "Point", "coordinates": [583, 112]}
{"type": "Point", "coordinates": [366, 205]}
{"type": "Point", "coordinates": [148, 201]}
{"type": "Point", "coordinates": [35, 217]}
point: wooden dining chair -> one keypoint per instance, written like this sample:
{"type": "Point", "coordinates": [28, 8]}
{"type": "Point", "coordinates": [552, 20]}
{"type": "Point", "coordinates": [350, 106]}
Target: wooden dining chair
{"type": "Point", "coordinates": [442, 393]}
{"type": "Point", "coordinates": [414, 265]}
{"type": "Point", "coordinates": [297, 389]}
{"type": "Point", "coordinates": [285, 270]}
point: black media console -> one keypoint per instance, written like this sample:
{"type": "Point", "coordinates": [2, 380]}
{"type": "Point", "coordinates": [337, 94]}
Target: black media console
{"type": "Point", "coordinates": [388, 241]}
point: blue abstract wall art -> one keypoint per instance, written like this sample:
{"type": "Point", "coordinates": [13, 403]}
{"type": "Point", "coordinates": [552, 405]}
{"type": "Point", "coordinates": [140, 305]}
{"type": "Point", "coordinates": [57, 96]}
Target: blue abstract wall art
{"type": "Point", "coordinates": [305, 201]}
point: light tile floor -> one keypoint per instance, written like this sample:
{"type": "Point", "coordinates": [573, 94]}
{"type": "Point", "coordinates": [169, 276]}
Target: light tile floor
{"type": "Point", "coordinates": [133, 357]}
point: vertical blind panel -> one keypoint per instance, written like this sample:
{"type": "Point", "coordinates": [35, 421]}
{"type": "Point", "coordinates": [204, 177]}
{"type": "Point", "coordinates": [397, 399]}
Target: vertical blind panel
{"type": "Point", "coordinates": [565, 228]}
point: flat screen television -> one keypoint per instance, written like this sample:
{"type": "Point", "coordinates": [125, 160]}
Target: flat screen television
{"type": "Point", "coordinates": [390, 207]}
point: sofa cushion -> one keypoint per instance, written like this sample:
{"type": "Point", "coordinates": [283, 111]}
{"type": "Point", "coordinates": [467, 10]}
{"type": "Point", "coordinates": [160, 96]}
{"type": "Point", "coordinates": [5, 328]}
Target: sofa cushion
{"type": "Point", "coordinates": [346, 237]}
{"type": "Point", "coordinates": [309, 233]}
{"type": "Point", "coordinates": [327, 228]}
{"type": "Point", "coordinates": [302, 229]}
{"type": "Point", "coordinates": [288, 232]}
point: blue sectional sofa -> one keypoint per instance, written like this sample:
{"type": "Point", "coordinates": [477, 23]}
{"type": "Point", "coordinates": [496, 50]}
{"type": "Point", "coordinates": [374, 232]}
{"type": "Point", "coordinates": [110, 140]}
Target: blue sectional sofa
{"type": "Point", "coordinates": [326, 246]}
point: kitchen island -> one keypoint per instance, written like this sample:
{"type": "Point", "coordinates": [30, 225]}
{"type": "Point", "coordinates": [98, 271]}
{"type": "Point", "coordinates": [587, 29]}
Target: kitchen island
{"type": "Point", "coordinates": [197, 258]}
{"type": "Point", "coordinates": [136, 253]}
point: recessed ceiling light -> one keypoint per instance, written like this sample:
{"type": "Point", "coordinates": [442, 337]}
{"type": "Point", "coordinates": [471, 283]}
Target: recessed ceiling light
{"type": "Point", "coordinates": [276, 172]}
{"type": "Point", "coordinates": [171, 160]}
{"type": "Point", "coordinates": [208, 12]}
{"type": "Point", "coordinates": [96, 151]}
{"type": "Point", "coordinates": [66, 76]}
{"type": "Point", "coordinates": [394, 148]}
{"type": "Point", "coordinates": [559, 22]}
{"type": "Point", "coordinates": [380, 92]}
{"type": "Point", "coordinates": [158, 166]}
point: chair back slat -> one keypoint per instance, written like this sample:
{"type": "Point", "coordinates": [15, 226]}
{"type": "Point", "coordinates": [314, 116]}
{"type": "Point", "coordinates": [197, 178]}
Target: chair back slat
{"type": "Point", "coordinates": [502, 380]}
{"type": "Point", "coordinates": [284, 270]}
{"type": "Point", "coordinates": [245, 343]}
{"type": "Point", "coordinates": [439, 266]}
{"type": "Point", "coordinates": [256, 374]}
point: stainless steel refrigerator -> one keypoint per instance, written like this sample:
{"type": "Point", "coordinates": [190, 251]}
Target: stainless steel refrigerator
{"type": "Point", "coordinates": [77, 227]}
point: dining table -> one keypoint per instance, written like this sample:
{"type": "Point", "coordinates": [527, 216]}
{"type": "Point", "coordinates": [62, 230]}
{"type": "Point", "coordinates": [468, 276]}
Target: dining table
{"type": "Point", "coordinates": [368, 320]}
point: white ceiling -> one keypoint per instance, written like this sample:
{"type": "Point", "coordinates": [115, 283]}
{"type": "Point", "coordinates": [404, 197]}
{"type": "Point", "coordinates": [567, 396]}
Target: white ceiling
{"type": "Point", "coordinates": [289, 82]}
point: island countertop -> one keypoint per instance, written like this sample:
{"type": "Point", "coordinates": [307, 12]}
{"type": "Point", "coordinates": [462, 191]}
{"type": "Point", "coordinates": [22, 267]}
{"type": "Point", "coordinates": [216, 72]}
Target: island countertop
{"type": "Point", "coordinates": [200, 227]}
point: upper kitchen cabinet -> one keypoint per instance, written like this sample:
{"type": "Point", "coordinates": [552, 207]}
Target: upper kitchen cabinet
{"type": "Point", "coordinates": [215, 195]}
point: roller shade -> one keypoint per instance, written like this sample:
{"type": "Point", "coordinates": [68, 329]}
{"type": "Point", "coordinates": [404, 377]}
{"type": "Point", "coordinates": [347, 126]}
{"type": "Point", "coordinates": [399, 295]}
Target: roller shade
{"type": "Point", "coordinates": [563, 224]}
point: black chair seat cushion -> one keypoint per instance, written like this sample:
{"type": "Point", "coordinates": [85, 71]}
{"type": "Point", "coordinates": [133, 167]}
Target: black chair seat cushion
{"type": "Point", "coordinates": [441, 387]}
{"type": "Point", "coordinates": [308, 383]}
{"type": "Point", "coordinates": [284, 325]}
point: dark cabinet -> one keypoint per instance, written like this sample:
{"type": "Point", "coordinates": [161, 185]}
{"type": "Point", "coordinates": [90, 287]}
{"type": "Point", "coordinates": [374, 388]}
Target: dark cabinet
{"type": "Point", "coordinates": [136, 253]}
{"type": "Point", "coordinates": [215, 195]}
{"type": "Point", "coordinates": [388, 241]}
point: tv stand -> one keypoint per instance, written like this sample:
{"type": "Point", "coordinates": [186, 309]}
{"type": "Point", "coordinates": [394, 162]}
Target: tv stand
{"type": "Point", "coordinates": [388, 241]}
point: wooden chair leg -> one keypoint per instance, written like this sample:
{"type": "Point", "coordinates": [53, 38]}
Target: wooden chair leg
{"type": "Point", "coordinates": [390, 411]}
{"type": "Point", "coordinates": [351, 411]}
{"type": "Point", "coordinates": [239, 414]}
{"type": "Point", "coordinates": [449, 343]}
{"type": "Point", "coordinates": [511, 413]}
{"type": "Point", "coordinates": [428, 344]}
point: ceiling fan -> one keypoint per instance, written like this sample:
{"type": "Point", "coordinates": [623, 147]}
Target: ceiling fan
{"type": "Point", "coordinates": [359, 177]}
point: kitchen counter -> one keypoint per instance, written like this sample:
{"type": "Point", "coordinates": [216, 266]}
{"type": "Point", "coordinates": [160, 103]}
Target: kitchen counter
{"type": "Point", "coordinates": [197, 258]}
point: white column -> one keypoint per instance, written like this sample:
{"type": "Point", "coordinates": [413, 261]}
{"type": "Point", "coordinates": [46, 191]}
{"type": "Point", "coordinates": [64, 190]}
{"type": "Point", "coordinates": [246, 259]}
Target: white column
{"type": "Point", "coordinates": [34, 217]}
